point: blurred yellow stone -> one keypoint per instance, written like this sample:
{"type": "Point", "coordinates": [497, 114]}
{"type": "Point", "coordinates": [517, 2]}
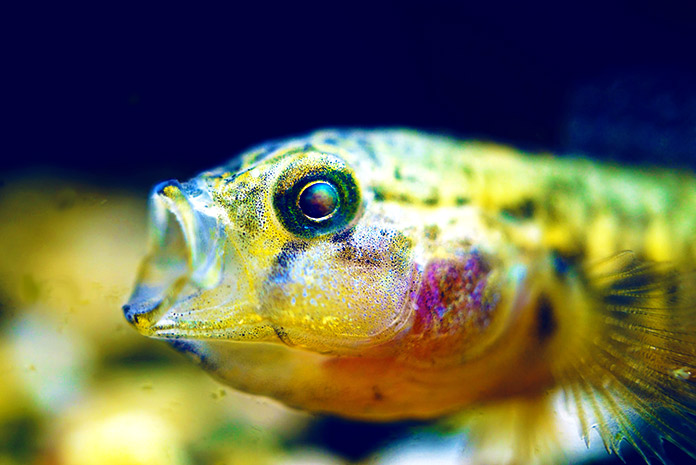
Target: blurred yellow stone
{"type": "Point", "coordinates": [13, 396]}
{"type": "Point", "coordinates": [309, 457]}
{"type": "Point", "coordinates": [130, 437]}
{"type": "Point", "coordinates": [50, 366]}
{"type": "Point", "coordinates": [4, 460]}
{"type": "Point", "coordinates": [73, 249]}
{"type": "Point", "coordinates": [178, 398]}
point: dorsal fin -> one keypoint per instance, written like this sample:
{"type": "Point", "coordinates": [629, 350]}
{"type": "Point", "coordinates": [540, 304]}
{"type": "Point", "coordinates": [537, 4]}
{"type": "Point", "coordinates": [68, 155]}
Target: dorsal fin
{"type": "Point", "coordinates": [633, 376]}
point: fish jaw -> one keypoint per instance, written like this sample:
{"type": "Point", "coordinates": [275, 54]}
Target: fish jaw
{"type": "Point", "coordinates": [192, 284]}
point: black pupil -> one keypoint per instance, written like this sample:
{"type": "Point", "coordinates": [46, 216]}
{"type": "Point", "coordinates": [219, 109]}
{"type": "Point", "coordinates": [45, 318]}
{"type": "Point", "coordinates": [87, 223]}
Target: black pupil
{"type": "Point", "coordinates": [318, 200]}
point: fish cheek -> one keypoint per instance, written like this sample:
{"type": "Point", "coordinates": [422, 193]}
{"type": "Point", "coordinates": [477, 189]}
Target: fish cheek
{"type": "Point", "coordinates": [331, 296]}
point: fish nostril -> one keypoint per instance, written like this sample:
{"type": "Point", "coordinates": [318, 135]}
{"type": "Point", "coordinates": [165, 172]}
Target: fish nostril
{"type": "Point", "coordinates": [126, 310]}
{"type": "Point", "coordinates": [131, 313]}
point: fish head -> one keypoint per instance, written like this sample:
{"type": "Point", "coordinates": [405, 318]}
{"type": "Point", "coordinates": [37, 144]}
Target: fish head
{"type": "Point", "coordinates": [338, 272]}
{"type": "Point", "coordinates": [285, 246]}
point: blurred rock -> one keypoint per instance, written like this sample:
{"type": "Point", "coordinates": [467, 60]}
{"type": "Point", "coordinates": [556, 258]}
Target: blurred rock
{"type": "Point", "coordinates": [130, 437]}
{"type": "Point", "coordinates": [50, 366]}
{"type": "Point", "coordinates": [73, 249]}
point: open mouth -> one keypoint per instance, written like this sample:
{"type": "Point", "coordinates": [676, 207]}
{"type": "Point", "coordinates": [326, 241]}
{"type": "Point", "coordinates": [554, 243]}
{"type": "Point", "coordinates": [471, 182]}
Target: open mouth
{"type": "Point", "coordinates": [189, 284]}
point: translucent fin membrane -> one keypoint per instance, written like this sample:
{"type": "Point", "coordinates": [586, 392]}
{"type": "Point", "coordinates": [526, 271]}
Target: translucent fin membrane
{"type": "Point", "coordinates": [633, 378]}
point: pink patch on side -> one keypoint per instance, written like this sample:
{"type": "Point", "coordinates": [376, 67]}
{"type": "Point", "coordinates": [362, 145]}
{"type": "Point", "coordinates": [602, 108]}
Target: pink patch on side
{"type": "Point", "coordinates": [451, 295]}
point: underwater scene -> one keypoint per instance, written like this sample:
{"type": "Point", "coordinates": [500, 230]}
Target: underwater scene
{"type": "Point", "coordinates": [374, 235]}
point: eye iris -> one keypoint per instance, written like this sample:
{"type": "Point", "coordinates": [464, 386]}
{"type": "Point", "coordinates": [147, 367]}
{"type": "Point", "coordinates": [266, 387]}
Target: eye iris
{"type": "Point", "coordinates": [318, 200]}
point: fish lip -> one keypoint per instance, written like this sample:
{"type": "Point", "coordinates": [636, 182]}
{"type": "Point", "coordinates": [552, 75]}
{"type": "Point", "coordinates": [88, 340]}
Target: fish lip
{"type": "Point", "coordinates": [177, 323]}
{"type": "Point", "coordinates": [258, 333]}
{"type": "Point", "coordinates": [133, 311]}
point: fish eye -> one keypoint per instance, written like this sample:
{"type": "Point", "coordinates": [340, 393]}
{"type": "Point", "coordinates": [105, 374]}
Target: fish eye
{"type": "Point", "coordinates": [318, 200]}
{"type": "Point", "coordinates": [316, 195]}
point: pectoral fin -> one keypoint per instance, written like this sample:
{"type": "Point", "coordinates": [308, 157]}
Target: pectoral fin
{"type": "Point", "coordinates": [633, 376]}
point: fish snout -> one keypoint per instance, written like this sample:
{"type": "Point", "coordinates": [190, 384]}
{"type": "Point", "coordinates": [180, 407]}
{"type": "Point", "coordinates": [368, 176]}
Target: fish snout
{"type": "Point", "coordinates": [185, 251]}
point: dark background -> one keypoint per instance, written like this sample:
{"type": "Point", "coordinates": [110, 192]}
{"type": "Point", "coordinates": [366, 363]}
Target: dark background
{"type": "Point", "coordinates": [131, 94]}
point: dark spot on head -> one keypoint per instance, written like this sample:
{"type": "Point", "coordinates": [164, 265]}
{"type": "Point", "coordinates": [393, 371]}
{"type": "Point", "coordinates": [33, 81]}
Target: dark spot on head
{"type": "Point", "coordinates": [522, 210]}
{"type": "Point", "coordinates": [359, 256]}
{"type": "Point", "coordinates": [234, 175]}
{"type": "Point", "coordinates": [342, 236]}
{"type": "Point", "coordinates": [459, 201]}
{"type": "Point", "coordinates": [546, 318]}
{"type": "Point", "coordinates": [288, 253]}
{"type": "Point", "coordinates": [284, 260]}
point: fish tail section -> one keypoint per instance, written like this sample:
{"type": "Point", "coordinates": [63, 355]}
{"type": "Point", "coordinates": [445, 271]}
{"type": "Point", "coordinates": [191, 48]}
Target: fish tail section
{"type": "Point", "coordinates": [632, 376]}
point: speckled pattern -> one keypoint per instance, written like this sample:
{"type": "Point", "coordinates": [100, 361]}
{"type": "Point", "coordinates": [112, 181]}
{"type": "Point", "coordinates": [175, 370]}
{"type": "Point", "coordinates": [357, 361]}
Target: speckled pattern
{"type": "Point", "coordinates": [451, 296]}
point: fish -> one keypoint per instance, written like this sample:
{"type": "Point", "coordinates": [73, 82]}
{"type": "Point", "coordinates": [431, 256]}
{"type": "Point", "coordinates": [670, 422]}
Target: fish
{"type": "Point", "coordinates": [393, 274]}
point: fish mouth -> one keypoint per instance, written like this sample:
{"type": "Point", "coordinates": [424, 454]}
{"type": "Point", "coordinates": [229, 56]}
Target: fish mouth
{"type": "Point", "coordinates": [191, 284]}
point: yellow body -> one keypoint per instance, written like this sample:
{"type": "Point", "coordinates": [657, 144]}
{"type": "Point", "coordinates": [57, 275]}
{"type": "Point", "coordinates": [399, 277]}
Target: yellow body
{"type": "Point", "coordinates": [449, 274]}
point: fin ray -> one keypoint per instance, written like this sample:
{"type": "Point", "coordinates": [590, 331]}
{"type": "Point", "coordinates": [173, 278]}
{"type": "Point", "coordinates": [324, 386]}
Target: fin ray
{"type": "Point", "coordinates": [634, 373]}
